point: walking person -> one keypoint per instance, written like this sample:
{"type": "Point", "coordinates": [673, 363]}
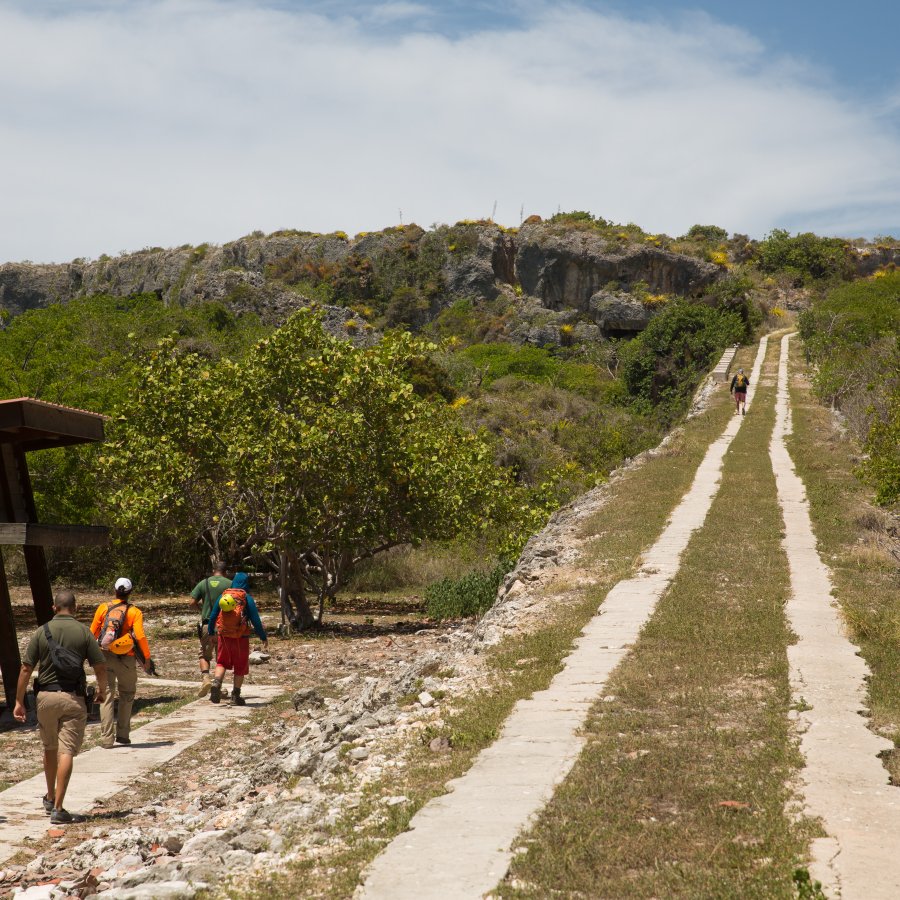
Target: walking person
{"type": "Point", "coordinates": [204, 596]}
{"type": "Point", "coordinates": [119, 629]}
{"type": "Point", "coordinates": [233, 617]}
{"type": "Point", "coordinates": [60, 649]}
{"type": "Point", "coordinates": [739, 389]}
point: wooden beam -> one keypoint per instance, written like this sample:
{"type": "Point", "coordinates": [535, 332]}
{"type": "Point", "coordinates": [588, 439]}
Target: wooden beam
{"type": "Point", "coordinates": [35, 534]}
{"type": "Point", "coordinates": [36, 421]}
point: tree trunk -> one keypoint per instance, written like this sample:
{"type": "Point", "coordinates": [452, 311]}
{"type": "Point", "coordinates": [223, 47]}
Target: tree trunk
{"type": "Point", "coordinates": [295, 610]}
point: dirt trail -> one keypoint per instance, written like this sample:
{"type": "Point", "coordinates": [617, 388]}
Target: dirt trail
{"type": "Point", "coordinates": [99, 773]}
{"type": "Point", "coordinates": [845, 782]}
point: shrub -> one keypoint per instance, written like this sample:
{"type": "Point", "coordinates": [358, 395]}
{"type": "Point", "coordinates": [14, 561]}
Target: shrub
{"type": "Point", "coordinates": [662, 366]}
{"type": "Point", "coordinates": [805, 257]}
{"type": "Point", "coordinates": [471, 595]}
{"type": "Point", "coordinates": [853, 338]}
{"type": "Point", "coordinates": [710, 233]}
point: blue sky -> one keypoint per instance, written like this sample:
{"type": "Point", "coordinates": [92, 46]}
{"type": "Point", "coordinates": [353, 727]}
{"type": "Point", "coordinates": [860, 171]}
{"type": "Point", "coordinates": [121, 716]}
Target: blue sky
{"type": "Point", "coordinates": [161, 122]}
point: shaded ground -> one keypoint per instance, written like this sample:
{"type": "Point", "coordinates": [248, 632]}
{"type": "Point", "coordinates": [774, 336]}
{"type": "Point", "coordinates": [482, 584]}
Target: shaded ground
{"type": "Point", "coordinates": [345, 642]}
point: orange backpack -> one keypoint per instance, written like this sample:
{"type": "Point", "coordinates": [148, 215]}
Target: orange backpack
{"type": "Point", "coordinates": [113, 629]}
{"type": "Point", "coordinates": [234, 623]}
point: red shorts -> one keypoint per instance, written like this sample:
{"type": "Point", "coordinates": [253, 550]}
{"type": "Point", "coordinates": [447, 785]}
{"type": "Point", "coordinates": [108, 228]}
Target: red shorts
{"type": "Point", "coordinates": [740, 396]}
{"type": "Point", "coordinates": [234, 653]}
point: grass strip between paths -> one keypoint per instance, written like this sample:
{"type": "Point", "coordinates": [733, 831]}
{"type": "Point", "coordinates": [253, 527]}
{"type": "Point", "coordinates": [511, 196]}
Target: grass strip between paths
{"type": "Point", "coordinates": [683, 787]}
{"type": "Point", "coordinates": [854, 539]}
{"type": "Point", "coordinates": [628, 524]}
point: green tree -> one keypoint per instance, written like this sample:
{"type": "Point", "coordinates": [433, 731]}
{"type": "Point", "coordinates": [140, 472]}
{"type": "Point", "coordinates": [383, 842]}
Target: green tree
{"type": "Point", "coordinates": [311, 452]}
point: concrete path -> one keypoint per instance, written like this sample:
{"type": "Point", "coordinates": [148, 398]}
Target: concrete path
{"type": "Point", "coordinates": [845, 781]}
{"type": "Point", "coordinates": [99, 774]}
{"type": "Point", "coordinates": [458, 845]}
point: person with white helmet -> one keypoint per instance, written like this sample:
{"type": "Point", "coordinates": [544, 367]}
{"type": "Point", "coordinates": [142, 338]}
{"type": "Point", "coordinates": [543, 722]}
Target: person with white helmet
{"type": "Point", "coordinates": [119, 629]}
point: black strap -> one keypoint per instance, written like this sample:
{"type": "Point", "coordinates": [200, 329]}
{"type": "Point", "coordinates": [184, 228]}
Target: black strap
{"type": "Point", "coordinates": [55, 657]}
{"type": "Point", "coordinates": [54, 687]}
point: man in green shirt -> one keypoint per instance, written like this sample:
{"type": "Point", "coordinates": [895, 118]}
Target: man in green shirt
{"type": "Point", "coordinates": [204, 597]}
{"type": "Point", "coordinates": [61, 706]}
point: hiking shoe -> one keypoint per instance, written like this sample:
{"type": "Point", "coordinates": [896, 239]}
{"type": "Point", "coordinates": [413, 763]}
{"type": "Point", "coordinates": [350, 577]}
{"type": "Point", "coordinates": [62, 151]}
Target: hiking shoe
{"type": "Point", "coordinates": [215, 692]}
{"type": "Point", "coordinates": [204, 688]}
{"type": "Point", "coordinates": [63, 817]}
{"type": "Point", "coordinates": [238, 700]}
{"type": "Point", "coordinates": [122, 740]}
{"type": "Point", "coordinates": [48, 804]}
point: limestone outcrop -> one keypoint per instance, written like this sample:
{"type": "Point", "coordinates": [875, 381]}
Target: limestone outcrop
{"type": "Point", "coordinates": [549, 268]}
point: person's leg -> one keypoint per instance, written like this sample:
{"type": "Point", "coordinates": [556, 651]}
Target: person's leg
{"type": "Point", "coordinates": [48, 725]}
{"type": "Point", "coordinates": [127, 688]}
{"type": "Point", "coordinates": [71, 735]}
{"type": "Point", "coordinates": [63, 774]}
{"type": "Point", "coordinates": [108, 706]}
{"type": "Point", "coordinates": [50, 765]}
{"type": "Point", "coordinates": [241, 659]}
{"type": "Point", "coordinates": [223, 662]}
{"type": "Point", "coordinates": [205, 658]}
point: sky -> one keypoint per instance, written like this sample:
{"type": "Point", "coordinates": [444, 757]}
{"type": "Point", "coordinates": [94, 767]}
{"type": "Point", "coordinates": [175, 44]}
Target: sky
{"type": "Point", "coordinates": [133, 123]}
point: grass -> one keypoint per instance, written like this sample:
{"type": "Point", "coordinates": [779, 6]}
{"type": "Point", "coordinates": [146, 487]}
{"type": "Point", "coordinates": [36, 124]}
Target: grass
{"type": "Point", "coordinates": [854, 540]}
{"type": "Point", "coordinates": [640, 504]}
{"type": "Point", "coordinates": [697, 717]}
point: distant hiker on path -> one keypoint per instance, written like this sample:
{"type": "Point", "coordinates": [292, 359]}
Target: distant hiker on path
{"type": "Point", "coordinates": [739, 389]}
{"type": "Point", "coordinates": [60, 648]}
{"type": "Point", "coordinates": [119, 629]}
{"type": "Point", "coordinates": [204, 596]}
{"type": "Point", "coordinates": [232, 617]}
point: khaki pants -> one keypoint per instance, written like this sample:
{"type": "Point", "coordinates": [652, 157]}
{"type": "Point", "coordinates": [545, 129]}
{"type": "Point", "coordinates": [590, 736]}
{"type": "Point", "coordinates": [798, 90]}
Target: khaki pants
{"type": "Point", "coordinates": [61, 719]}
{"type": "Point", "coordinates": [121, 671]}
{"type": "Point", "coordinates": [207, 643]}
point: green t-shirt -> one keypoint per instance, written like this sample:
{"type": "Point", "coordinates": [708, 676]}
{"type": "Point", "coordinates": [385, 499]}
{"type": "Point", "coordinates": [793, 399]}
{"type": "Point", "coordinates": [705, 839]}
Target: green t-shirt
{"type": "Point", "coordinates": [67, 632]}
{"type": "Point", "coordinates": [208, 591]}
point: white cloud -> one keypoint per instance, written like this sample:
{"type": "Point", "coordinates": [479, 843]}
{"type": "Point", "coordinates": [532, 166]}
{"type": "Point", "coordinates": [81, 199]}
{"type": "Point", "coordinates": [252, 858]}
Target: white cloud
{"type": "Point", "coordinates": [133, 124]}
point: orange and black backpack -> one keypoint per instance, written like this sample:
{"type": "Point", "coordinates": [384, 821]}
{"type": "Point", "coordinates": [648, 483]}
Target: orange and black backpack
{"type": "Point", "coordinates": [233, 623]}
{"type": "Point", "coordinates": [113, 627]}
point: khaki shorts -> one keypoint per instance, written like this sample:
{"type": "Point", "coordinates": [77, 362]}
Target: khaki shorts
{"type": "Point", "coordinates": [61, 718]}
{"type": "Point", "coordinates": [207, 644]}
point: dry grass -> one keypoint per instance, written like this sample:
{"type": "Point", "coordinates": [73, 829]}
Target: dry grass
{"type": "Point", "coordinates": [698, 718]}
{"type": "Point", "coordinates": [856, 540]}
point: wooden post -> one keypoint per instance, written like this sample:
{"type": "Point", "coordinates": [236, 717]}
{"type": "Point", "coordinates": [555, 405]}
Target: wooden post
{"type": "Point", "coordinates": [35, 558]}
{"type": "Point", "coordinates": [10, 660]}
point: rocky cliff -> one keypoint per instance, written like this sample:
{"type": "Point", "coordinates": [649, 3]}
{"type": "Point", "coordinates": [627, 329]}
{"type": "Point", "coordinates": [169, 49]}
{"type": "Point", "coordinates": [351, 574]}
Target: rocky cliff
{"type": "Point", "coordinates": [543, 268]}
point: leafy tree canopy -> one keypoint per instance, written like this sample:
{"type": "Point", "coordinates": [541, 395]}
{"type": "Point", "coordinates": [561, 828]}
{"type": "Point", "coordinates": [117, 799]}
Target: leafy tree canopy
{"type": "Point", "coordinates": [308, 446]}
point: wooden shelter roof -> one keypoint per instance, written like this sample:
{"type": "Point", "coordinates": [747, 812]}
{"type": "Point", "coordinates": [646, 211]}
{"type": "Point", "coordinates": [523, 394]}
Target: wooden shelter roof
{"type": "Point", "coordinates": [37, 425]}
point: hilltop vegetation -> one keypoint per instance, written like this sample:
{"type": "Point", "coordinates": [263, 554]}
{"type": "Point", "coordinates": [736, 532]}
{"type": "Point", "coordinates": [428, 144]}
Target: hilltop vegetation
{"type": "Point", "coordinates": [552, 352]}
{"type": "Point", "coordinates": [853, 337]}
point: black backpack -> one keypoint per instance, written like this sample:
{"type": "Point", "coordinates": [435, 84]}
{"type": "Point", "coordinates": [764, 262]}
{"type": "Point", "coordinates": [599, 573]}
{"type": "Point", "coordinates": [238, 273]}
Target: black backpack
{"type": "Point", "coordinates": [68, 664]}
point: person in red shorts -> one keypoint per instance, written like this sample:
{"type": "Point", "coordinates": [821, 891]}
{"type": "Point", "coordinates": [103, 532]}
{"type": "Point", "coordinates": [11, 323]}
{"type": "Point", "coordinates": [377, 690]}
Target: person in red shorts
{"type": "Point", "coordinates": [232, 619]}
{"type": "Point", "coordinates": [739, 389]}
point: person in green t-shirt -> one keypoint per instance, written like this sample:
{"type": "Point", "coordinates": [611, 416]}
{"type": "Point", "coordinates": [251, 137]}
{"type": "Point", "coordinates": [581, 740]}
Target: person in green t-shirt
{"type": "Point", "coordinates": [204, 597]}
{"type": "Point", "coordinates": [61, 702]}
